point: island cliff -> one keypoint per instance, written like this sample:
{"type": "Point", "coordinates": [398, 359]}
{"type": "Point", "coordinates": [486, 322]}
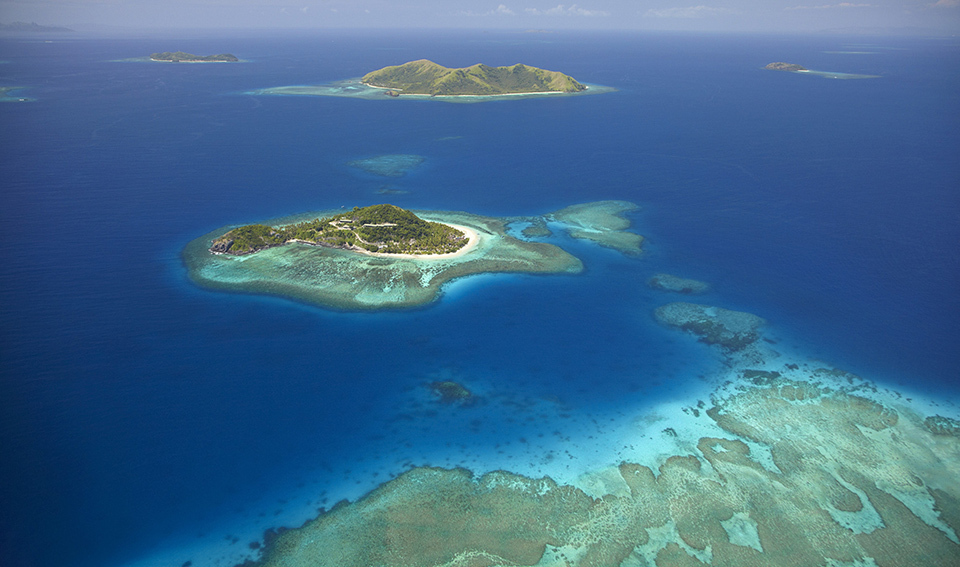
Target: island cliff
{"type": "Point", "coordinates": [425, 77]}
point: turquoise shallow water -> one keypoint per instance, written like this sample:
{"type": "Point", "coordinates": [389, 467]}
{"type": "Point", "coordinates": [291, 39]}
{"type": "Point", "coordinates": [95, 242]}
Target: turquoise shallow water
{"type": "Point", "coordinates": [139, 408]}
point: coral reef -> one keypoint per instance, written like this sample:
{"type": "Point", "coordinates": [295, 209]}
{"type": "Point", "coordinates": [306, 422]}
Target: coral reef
{"type": "Point", "coordinates": [450, 392]}
{"type": "Point", "coordinates": [851, 482]}
{"type": "Point", "coordinates": [731, 330]}
{"type": "Point", "coordinates": [603, 222]}
{"type": "Point", "coordinates": [388, 165]}
{"type": "Point", "coordinates": [676, 284]}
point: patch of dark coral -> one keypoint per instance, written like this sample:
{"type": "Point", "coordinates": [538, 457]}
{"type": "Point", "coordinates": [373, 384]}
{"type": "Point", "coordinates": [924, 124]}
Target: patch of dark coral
{"type": "Point", "coordinates": [450, 392]}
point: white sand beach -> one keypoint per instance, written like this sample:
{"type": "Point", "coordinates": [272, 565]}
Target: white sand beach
{"type": "Point", "coordinates": [473, 239]}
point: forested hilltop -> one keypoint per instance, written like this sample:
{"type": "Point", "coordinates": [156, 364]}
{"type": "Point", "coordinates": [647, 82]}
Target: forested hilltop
{"type": "Point", "coordinates": [426, 77]}
{"type": "Point", "coordinates": [178, 56]}
{"type": "Point", "coordinates": [378, 228]}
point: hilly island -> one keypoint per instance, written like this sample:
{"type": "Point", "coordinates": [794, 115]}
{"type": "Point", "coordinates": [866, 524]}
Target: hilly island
{"type": "Point", "coordinates": [383, 229]}
{"type": "Point", "coordinates": [425, 77]}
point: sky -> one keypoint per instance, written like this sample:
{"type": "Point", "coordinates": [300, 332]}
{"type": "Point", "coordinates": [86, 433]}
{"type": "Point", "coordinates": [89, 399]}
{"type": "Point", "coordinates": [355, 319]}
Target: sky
{"type": "Point", "coordinates": [695, 15]}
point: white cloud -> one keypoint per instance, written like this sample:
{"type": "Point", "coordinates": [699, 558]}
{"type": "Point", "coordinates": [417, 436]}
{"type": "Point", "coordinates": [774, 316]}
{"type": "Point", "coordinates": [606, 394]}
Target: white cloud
{"type": "Point", "coordinates": [832, 6]}
{"type": "Point", "coordinates": [946, 3]}
{"type": "Point", "coordinates": [688, 12]}
{"type": "Point", "coordinates": [561, 10]}
{"type": "Point", "coordinates": [500, 10]}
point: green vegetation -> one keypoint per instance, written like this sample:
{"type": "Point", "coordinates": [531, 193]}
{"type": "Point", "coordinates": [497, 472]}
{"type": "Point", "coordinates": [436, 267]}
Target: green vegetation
{"type": "Point", "coordinates": [426, 77]}
{"type": "Point", "coordinates": [251, 238]}
{"type": "Point", "coordinates": [378, 228]}
{"type": "Point", "coordinates": [178, 56]}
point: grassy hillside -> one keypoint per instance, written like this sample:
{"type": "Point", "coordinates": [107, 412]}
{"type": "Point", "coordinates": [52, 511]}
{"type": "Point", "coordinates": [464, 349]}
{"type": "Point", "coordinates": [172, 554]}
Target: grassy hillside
{"type": "Point", "coordinates": [426, 77]}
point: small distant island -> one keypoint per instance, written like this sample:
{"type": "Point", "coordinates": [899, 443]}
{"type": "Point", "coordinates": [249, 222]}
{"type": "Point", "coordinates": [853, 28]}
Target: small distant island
{"type": "Point", "coordinates": [183, 57]}
{"type": "Point", "coordinates": [425, 77]}
{"type": "Point", "coordinates": [781, 66]}
{"type": "Point", "coordinates": [380, 229]}
{"type": "Point", "coordinates": [31, 27]}
{"type": "Point", "coordinates": [800, 69]}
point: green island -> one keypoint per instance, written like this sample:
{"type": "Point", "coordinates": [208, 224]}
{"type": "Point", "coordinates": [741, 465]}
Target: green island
{"type": "Point", "coordinates": [31, 27]}
{"type": "Point", "coordinates": [425, 80]}
{"type": "Point", "coordinates": [183, 57]}
{"type": "Point", "coordinates": [800, 69]}
{"type": "Point", "coordinates": [385, 257]}
{"type": "Point", "coordinates": [384, 229]}
{"type": "Point", "coordinates": [423, 77]}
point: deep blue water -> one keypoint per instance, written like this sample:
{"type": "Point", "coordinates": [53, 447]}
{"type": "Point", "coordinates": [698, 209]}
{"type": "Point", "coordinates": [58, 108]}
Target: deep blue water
{"type": "Point", "coordinates": [134, 405]}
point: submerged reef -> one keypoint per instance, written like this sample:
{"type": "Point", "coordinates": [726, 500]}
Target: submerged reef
{"type": "Point", "coordinates": [788, 465]}
{"type": "Point", "coordinates": [10, 94]}
{"type": "Point", "coordinates": [676, 284]}
{"type": "Point", "coordinates": [350, 279]}
{"type": "Point", "coordinates": [847, 481]}
{"type": "Point", "coordinates": [388, 165]}
{"type": "Point", "coordinates": [450, 392]}
{"type": "Point", "coordinates": [939, 425]}
{"type": "Point", "coordinates": [537, 228]}
{"type": "Point", "coordinates": [602, 222]}
{"type": "Point", "coordinates": [731, 330]}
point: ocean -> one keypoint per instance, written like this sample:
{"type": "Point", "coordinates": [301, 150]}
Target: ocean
{"type": "Point", "coordinates": [146, 421]}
